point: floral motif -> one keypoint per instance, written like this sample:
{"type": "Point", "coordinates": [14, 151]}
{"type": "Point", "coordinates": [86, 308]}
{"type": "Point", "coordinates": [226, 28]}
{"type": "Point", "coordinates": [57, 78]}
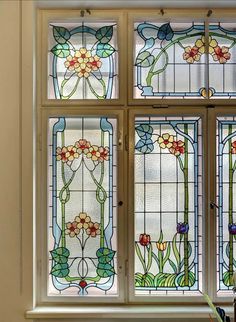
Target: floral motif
{"type": "Point", "coordinates": [95, 63]}
{"type": "Point", "coordinates": [82, 146]}
{"type": "Point", "coordinates": [200, 44]}
{"type": "Point", "coordinates": [93, 153]}
{"type": "Point", "coordinates": [72, 229]}
{"type": "Point", "coordinates": [93, 229]}
{"type": "Point", "coordinates": [191, 54]}
{"type": "Point", "coordinates": [166, 140]}
{"type": "Point", "coordinates": [71, 63]}
{"type": "Point", "coordinates": [161, 246]}
{"type": "Point", "coordinates": [221, 54]}
{"type": "Point", "coordinates": [62, 154]}
{"type": "Point", "coordinates": [177, 148]}
{"type": "Point", "coordinates": [233, 149]}
{"type": "Point", "coordinates": [144, 239]}
{"type": "Point", "coordinates": [104, 153]}
{"type": "Point", "coordinates": [83, 220]}
{"type": "Point", "coordinates": [232, 229]}
{"type": "Point", "coordinates": [83, 63]}
{"type": "Point", "coordinates": [72, 153]}
{"type": "Point", "coordinates": [182, 228]}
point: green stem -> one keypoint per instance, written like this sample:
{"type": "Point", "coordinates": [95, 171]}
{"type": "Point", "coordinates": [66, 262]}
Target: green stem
{"type": "Point", "coordinates": [186, 205]}
{"type": "Point", "coordinates": [163, 51]}
{"type": "Point", "coordinates": [72, 92]}
{"type": "Point", "coordinates": [230, 206]}
{"type": "Point", "coordinates": [94, 92]}
{"type": "Point", "coordinates": [102, 203]}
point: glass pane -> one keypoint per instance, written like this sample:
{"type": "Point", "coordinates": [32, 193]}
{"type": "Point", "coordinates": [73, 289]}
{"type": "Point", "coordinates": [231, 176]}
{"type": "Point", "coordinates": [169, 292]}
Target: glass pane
{"type": "Point", "coordinates": [222, 60]}
{"type": "Point", "coordinates": [83, 60]}
{"type": "Point", "coordinates": [169, 60]}
{"type": "Point", "coordinates": [226, 216]}
{"type": "Point", "coordinates": [82, 221]}
{"type": "Point", "coordinates": [168, 205]}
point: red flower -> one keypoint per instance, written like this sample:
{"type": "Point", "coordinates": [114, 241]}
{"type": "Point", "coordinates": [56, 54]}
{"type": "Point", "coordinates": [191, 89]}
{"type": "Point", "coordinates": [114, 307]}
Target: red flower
{"type": "Point", "coordinates": [82, 146]}
{"type": "Point", "coordinates": [233, 149]}
{"type": "Point", "coordinates": [177, 148]}
{"type": "Point", "coordinates": [104, 153]}
{"type": "Point", "coordinates": [144, 239]}
{"type": "Point", "coordinates": [221, 54]}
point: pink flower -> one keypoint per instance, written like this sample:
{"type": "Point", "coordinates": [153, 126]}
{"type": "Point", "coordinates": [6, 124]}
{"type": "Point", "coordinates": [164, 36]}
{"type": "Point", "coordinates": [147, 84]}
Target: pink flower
{"type": "Point", "coordinates": [104, 153]}
{"type": "Point", "coordinates": [93, 229]}
{"type": "Point", "coordinates": [177, 148]}
{"type": "Point", "coordinates": [82, 146]}
{"type": "Point", "coordinates": [221, 54]}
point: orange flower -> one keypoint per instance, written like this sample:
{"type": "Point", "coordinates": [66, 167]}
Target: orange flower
{"type": "Point", "coordinates": [93, 229]}
{"type": "Point", "coordinates": [191, 54]}
{"type": "Point", "coordinates": [71, 63]}
{"type": "Point", "coordinates": [62, 154]}
{"type": "Point", "coordinates": [83, 220]}
{"type": "Point", "coordinates": [93, 153]}
{"type": "Point", "coordinates": [82, 146]}
{"type": "Point", "coordinates": [94, 62]}
{"type": "Point", "coordinates": [72, 229]}
{"type": "Point", "coordinates": [221, 54]}
{"type": "Point", "coordinates": [177, 148]}
{"type": "Point", "coordinates": [233, 149]}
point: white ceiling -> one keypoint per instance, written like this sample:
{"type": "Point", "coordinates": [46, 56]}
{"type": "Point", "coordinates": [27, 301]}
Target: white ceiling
{"type": "Point", "coordinates": [135, 3]}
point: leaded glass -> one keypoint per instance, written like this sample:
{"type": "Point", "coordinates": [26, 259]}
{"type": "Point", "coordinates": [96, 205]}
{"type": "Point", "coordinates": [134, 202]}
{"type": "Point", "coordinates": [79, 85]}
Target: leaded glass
{"type": "Point", "coordinates": [82, 220]}
{"type": "Point", "coordinates": [222, 60]}
{"type": "Point", "coordinates": [168, 205]}
{"type": "Point", "coordinates": [226, 215]}
{"type": "Point", "coordinates": [169, 60]}
{"type": "Point", "coordinates": [83, 60]}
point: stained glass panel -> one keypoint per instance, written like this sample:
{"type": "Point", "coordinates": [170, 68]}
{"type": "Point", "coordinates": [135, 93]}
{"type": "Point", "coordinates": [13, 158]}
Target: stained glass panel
{"type": "Point", "coordinates": [226, 215]}
{"type": "Point", "coordinates": [83, 60]}
{"type": "Point", "coordinates": [168, 205]}
{"type": "Point", "coordinates": [82, 221]}
{"type": "Point", "coordinates": [169, 60]}
{"type": "Point", "coordinates": [222, 60]}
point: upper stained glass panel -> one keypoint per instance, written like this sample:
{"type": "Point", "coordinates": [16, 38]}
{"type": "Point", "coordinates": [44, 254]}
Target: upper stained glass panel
{"type": "Point", "coordinates": [82, 220]}
{"type": "Point", "coordinates": [222, 60]}
{"type": "Point", "coordinates": [83, 61]}
{"type": "Point", "coordinates": [168, 205]}
{"type": "Point", "coordinates": [169, 60]}
{"type": "Point", "coordinates": [226, 214]}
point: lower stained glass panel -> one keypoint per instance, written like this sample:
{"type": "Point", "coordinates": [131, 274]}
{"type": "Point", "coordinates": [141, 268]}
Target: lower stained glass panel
{"type": "Point", "coordinates": [168, 205]}
{"type": "Point", "coordinates": [226, 217]}
{"type": "Point", "coordinates": [82, 219]}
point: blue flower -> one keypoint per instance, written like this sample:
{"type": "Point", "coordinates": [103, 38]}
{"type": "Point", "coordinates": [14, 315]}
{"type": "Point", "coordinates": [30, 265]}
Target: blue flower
{"type": "Point", "coordinates": [182, 228]}
{"type": "Point", "coordinates": [232, 229]}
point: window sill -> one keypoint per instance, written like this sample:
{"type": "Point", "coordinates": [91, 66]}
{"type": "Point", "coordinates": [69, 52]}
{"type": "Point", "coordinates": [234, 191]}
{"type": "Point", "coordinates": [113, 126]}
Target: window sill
{"type": "Point", "coordinates": [128, 311]}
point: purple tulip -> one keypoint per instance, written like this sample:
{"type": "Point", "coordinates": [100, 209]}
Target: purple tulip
{"type": "Point", "coordinates": [182, 228]}
{"type": "Point", "coordinates": [232, 229]}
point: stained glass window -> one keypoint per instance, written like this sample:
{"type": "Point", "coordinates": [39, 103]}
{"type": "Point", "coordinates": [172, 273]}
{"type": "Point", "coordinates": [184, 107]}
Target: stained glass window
{"type": "Point", "coordinates": [226, 216]}
{"type": "Point", "coordinates": [169, 60]}
{"type": "Point", "coordinates": [222, 60]}
{"type": "Point", "coordinates": [168, 205]}
{"type": "Point", "coordinates": [83, 61]}
{"type": "Point", "coordinates": [82, 220]}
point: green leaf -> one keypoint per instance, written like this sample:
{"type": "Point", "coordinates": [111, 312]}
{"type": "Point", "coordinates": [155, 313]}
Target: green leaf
{"type": "Point", "coordinates": [148, 279]}
{"type": "Point", "coordinates": [61, 34]}
{"type": "Point", "coordinates": [181, 279]}
{"type": "Point", "coordinates": [105, 270]}
{"type": "Point", "coordinates": [165, 280]}
{"type": "Point", "coordinates": [167, 255]}
{"type": "Point", "coordinates": [104, 34]}
{"type": "Point", "coordinates": [104, 50]}
{"type": "Point", "coordinates": [149, 263]}
{"type": "Point", "coordinates": [60, 270]}
{"type": "Point", "coordinates": [60, 255]}
{"type": "Point", "coordinates": [105, 255]}
{"type": "Point", "coordinates": [227, 280]}
{"type": "Point", "coordinates": [61, 51]}
{"type": "Point", "coordinates": [175, 250]}
{"type": "Point", "coordinates": [138, 277]}
{"type": "Point", "coordinates": [172, 264]}
{"type": "Point", "coordinates": [144, 131]}
{"type": "Point", "coordinates": [144, 59]}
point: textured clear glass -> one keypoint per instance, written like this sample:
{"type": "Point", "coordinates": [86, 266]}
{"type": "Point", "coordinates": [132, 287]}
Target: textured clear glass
{"type": "Point", "coordinates": [83, 60]}
{"type": "Point", "coordinates": [168, 205]}
{"type": "Point", "coordinates": [82, 215]}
